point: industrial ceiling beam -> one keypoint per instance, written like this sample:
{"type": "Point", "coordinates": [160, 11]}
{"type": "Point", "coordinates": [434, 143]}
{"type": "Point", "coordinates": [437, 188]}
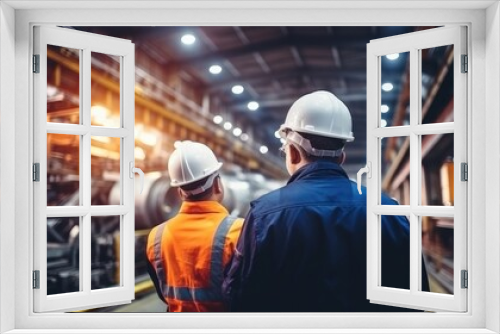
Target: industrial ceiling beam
{"type": "Point", "coordinates": [279, 43]}
{"type": "Point", "coordinates": [284, 74]}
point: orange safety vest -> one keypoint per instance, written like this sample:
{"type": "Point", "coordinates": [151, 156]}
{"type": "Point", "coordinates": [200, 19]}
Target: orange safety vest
{"type": "Point", "coordinates": [189, 253]}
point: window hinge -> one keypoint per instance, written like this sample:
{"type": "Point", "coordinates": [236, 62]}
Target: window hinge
{"type": "Point", "coordinates": [465, 279]}
{"type": "Point", "coordinates": [36, 279]}
{"type": "Point", "coordinates": [36, 172]}
{"type": "Point", "coordinates": [36, 63]}
{"type": "Point", "coordinates": [464, 171]}
{"type": "Point", "coordinates": [465, 64]}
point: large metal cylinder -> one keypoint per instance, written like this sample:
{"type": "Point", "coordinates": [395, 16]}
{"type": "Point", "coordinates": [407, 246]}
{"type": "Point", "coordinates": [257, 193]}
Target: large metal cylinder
{"type": "Point", "coordinates": [242, 188]}
{"type": "Point", "coordinates": [157, 203]}
{"type": "Point", "coordinates": [237, 195]}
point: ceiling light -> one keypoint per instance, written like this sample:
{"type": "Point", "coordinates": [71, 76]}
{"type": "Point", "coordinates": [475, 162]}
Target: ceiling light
{"type": "Point", "coordinates": [228, 126]}
{"type": "Point", "coordinates": [384, 108]}
{"type": "Point", "coordinates": [253, 105]}
{"type": "Point", "coordinates": [383, 123]}
{"type": "Point", "coordinates": [283, 140]}
{"type": "Point", "coordinates": [237, 132]}
{"type": "Point", "coordinates": [218, 119]}
{"type": "Point", "coordinates": [277, 134]}
{"type": "Point", "coordinates": [263, 149]}
{"type": "Point", "coordinates": [387, 87]}
{"type": "Point", "coordinates": [393, 56]}
{"type": "Point", "coordinates": [237, 89]}
{"type": "Point", "coordinates": [188, 39]}
{"type": "Point", "coordinates": [215, 69]}
{"type": "Point", "coordinates": [244, 137]}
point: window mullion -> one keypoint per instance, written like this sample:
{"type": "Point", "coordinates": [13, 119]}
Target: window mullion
{"type": "Point", "coordinates": [85, 158]}
{"type": "Point", "coordinates": [434, 129]}
{"type": "Point", "coordinates": [395, 210]}
{"type": "Point", "coordinates": [85, 231]}
{"type": "Point", "coordinates": [85, 250]}
{"type": "Point", "coordinates": [80, 177]}
{"type": "Point", "coordinates": [108, 210]}
{"type": "Point", "coordinates": [414, 166]}
{"type": "Point", "coordinates": [108, 132]}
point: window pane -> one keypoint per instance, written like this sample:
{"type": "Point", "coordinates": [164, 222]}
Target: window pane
{"type": "Point", "coordinates": [395, 99]}
{"type": "Point", "coordinates": [105, 90]}
{"type": "Point", "coordinates": [437, 85]}
{"type": "Point", "coordinates": [63, 170]}
{"type": "Point", "coordinates": [63, 255]}
{"type": "Point", "coordinates": [437, 251]}
{"type": "Point", "coordinates": [395, 252]}
{"type": "Point", "coordinates": [105, 252]}
{"type": "Point", "coordinates": [395, 168]}
{"type": "Point", "coordinates": [437, 170]}
{"type": "Point", "coordinates": [63, 85]}
{"type": "Point", "coordinates": [105, 167]}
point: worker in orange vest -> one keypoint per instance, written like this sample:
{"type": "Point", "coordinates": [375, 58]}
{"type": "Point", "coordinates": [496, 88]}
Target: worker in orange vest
{"type": "Point", "coordinates": [188, 253]}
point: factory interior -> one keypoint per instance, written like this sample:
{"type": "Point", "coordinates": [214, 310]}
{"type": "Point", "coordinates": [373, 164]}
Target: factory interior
{"type": "Point", "coordinates": [230, 88]}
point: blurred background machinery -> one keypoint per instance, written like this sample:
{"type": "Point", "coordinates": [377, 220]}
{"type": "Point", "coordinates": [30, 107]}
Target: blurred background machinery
{"type": "Point", "coordinates": [230, 88]}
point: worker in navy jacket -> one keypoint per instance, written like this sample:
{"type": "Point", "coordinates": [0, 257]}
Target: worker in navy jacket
{"type": "Point", "coordinates": [303, 246]}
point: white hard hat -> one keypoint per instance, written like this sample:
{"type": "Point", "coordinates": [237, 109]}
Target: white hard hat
{"type": "Point", "coordinates": [191, 162]}
{"type": "Point", "coordinates": [320, 113]}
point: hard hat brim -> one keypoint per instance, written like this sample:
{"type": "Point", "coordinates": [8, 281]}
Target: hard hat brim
{"type": "Point", "coordinates": [180, 184]}
{"type": "Point", "coordinates": [285, 127]}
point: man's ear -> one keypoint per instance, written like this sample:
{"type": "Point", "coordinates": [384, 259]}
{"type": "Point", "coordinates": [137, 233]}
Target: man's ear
{"type": "Point", "coordinates": [342, 158]}
{"type": "Point", "coordinates": [217, 185]}
{"type": "Point", "coordinates": [181, 193]}
{"type": "Point", "coordinates": [295, 156]}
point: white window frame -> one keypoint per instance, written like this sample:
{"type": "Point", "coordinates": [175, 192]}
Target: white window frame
{"type": "Point", "coordinates": [413, 43]}
{"type": "Point", "coordinates": [86, 43]}
{"type": "Point", "coordinates": [484, 102]}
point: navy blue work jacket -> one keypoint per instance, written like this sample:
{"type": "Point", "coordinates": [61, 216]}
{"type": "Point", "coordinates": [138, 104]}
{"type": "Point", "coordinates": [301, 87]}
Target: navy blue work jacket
{"type": "Point", "coordinates": [303, 248]}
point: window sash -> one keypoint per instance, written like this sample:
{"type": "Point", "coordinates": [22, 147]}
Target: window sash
{"type": "Point", "coordinates": [412, 43]}
{"type": "Point", "coordinates": [86, 297]}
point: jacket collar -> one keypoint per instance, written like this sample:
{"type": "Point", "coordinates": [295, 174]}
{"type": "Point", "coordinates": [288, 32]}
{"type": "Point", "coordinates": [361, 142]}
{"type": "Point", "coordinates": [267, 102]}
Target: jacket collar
{"type": "Point", "coordinates": [202, 207]}
{"type": "Point", "coordinates": [322, 168]}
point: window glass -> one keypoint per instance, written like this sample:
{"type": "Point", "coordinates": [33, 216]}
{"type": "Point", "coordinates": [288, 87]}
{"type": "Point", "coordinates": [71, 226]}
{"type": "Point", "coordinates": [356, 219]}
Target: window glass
{"type": "Point", "coordinates": [105, 172]}
{"type": "Point", "coordinates": [63, 255]}
{"type": "Point", "coordinates": [437, 251]}
{"type": "Point", "coordinates": [395, 252]}
{"type": "Point", "coordinates": [395, 168]}
{"type": "Point", "coordinates": [63, 170]}
{"type": "Point", "coordinates": [437, 85]}
{"type": "Point", "coordinates": [63, 85]}
{"type": "Point", "coordinates": [395, 93]}
{"type": "Point", "coordinates": [437, 170]}
{"type": "Point", "coordinates": [105, 251]}
{"type": "Point", "coordinates": [105, 90]}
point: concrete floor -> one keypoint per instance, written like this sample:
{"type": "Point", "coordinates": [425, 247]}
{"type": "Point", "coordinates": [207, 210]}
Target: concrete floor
{"type": "Point", "coordinates": [149, 303]}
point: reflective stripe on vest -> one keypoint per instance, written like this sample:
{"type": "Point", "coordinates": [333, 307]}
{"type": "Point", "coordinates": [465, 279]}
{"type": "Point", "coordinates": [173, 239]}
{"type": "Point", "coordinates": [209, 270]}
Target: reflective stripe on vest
{"type": "Point", "coordinates": [213, 291]}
